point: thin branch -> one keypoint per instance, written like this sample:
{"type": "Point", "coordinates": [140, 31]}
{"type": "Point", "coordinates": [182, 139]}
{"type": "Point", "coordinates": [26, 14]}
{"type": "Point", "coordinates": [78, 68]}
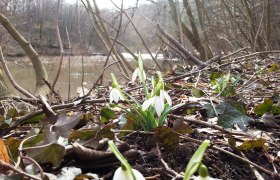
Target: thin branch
{"type": "Point", "coordinates": [10, 77]}
{"type": "Point", "coordinates": [140, 36]}
{"type": "Point", "coordinates": [60, 46]}
{"type": "Point", "coordinates": [167, 168]}
{"type": "Point", "coordinates": [4, 165]}
{"type": "Point", "coordinates": [188, 56]}
{"type": "Point", "coordinates": [69, 65]}
{"type": "Point", "coordinates": [114, 42]}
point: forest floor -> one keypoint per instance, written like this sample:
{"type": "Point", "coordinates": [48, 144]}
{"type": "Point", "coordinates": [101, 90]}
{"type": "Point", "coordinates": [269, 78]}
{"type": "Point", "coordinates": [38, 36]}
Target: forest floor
{"type": "Point", "coordinates": [235, 104]}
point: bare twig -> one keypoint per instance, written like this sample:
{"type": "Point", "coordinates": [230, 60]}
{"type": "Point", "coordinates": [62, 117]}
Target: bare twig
{"type": "Point", "coordinates": [4, 165]}
{"type": "Point", "coordinates": [167, 168]}
{"type": "Point", "coordinates": [114, 42]}
{"type": "Point", "coordinates": [36, 164]}
{"type": "Point", "coordinates": [188, 56]}
{"type": "Point", "coordinates": [140, 36]}
{"type": "Point", "coordinates": [60, 46]}
{"type": "Point", "coordinates": [232, 155]}
{"type": "Point", "coordinates": [210, 126]}
{"type": "Point", "coordinates": [231, 54]}
{"type": "Point", "coordinates": [10, 77]}
{"type": "Point", "coordinates": [69, 66]}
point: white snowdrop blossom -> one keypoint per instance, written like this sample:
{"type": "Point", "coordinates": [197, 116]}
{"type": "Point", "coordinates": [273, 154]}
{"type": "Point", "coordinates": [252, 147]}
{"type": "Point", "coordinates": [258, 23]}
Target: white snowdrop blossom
{"type": "Point", "coordinates": [121, 174]}
{"type": "Point", "coordinates": [115, 95]}
{"type": "Point", "coordinates": [137, 73]}
{"type": "Point", "coordinates": [157, 102]}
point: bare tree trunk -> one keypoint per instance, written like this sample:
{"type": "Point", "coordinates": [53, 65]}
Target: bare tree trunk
{"type": "Point", "coordinates": [40, 71]}
{"type": "Point", "coordinates": [267, 23]}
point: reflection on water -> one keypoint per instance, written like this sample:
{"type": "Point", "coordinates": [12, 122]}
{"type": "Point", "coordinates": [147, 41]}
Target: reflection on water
{"type": "Point", "coordinates": [23, 73]}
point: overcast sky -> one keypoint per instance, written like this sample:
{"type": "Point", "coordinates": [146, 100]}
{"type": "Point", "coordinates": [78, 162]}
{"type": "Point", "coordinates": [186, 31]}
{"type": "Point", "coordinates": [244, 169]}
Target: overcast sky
{"type": "Point", "coordinates": [107, 3]}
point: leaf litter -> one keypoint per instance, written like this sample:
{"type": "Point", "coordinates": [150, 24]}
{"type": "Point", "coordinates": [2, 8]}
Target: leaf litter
{"type": "Point", "coordinates": [238, 111]}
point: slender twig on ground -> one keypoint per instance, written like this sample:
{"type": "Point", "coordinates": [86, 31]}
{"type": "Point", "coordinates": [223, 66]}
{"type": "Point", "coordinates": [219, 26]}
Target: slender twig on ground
{"type": "Point", "coordinates": [36, 164]}
{"type": "Point", "coordinates": [231, 54]}
{"type": "Point", "coordinates": [168, 169]}
{"type": "Point", "coordinates": [230, 154]}
{"type": "Point", "coordinates": [4, 165]}
{"type": "Point", "coordinates": [21, 120]}
{"type": "Point", "coordinates": [210, 126]}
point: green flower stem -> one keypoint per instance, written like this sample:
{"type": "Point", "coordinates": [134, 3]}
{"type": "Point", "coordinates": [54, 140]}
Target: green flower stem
{"type": "Point", "coordinates": [120, 157]}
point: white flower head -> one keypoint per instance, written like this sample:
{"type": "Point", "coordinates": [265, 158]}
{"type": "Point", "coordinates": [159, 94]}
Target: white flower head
{"type": "Point", "coordinates": [137, 73]}
{"type": "Point", "coordinates": [115, 95]}
{"type": "Point", "coordinates": [121, 174]}
{"type": "Point", "coordinates": [157, 102]}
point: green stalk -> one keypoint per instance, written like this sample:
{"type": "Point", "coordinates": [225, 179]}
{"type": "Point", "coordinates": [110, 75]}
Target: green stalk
{"type": "Point", "coordinates": [120, 157]}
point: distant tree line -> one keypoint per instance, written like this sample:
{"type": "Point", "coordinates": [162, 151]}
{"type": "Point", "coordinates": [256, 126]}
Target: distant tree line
{"type": "Point", "coordinates": [206, 27]}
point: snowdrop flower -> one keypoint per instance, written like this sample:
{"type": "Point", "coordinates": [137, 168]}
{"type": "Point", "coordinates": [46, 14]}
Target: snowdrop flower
{"type": "Point", "coordinates": [157, 102]}
{"type": "Point", "coordinates": [115, 94]}
{"type": "Point", "coordinates": [158, 97]}
{"type": "Point", "coordinates": [139, 71]}
{"type": "Point", "coordinates": [123, 174]}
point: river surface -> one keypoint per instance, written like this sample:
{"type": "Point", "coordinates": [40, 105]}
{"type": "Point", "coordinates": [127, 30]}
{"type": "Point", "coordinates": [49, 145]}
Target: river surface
{"type": "Point", "coordinates": [23, 73]}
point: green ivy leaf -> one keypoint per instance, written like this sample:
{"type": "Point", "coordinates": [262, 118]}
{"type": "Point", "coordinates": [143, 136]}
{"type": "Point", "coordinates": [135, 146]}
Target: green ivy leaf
{"type": "Point", "coordinates": [106, 114]}
{"type": "Point", "coordinates": [53, 153]}
{"type": "Point", "coordinates": [234, 113]}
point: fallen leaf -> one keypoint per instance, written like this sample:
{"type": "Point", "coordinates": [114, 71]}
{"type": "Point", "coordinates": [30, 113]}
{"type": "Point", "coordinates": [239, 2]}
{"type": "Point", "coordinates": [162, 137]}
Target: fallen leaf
{"type": "Point", "coordinates": [252, 144]}
{"type": "Point", "coordinates": [52, 153]}
{"type": "Point", "coordinates": [166, 137]}
{"type": "Point", "coordinates": [4, 155]}
{"type": "Point", "coordinates": [234, 113]}
{"type": "Point", "coordinates": [106, 114]}
{"type": "Point", "coordinates": [65, 123]}
{"type": "Point", "coordinates": [197, 92]}
{"type": "Point", "coordinates": [181, 127]}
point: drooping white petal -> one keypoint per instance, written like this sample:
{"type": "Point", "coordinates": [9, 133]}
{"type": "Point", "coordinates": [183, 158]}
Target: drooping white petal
{"type": "Point", "coordinates": [120, 174]}
{"type": "Point", "coordinates": [134, 75]}
{"type": "Point", "coordinates": [147, 103]}
{"type": "Point", "coordinates": [144, 76]}
{"type": "Point", "coordinates": [167, 97]}
{"type": "Point", "coordinates": [115, 95]}
{"type": "Point", "coordinates": [159, 105]}
{"type": "Point", "coordinates": [111, 96]}
{"type": "Point", "coordinates": [120, 95]}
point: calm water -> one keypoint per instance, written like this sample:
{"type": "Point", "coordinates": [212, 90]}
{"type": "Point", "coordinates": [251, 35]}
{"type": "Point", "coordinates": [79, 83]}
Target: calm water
{"type": "Point", "coordinates": [23, 73]}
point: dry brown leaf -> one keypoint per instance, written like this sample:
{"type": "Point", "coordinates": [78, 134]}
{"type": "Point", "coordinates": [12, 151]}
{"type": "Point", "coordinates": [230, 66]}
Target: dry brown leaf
{"type": "Point", "coordinates": [4, 155]}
